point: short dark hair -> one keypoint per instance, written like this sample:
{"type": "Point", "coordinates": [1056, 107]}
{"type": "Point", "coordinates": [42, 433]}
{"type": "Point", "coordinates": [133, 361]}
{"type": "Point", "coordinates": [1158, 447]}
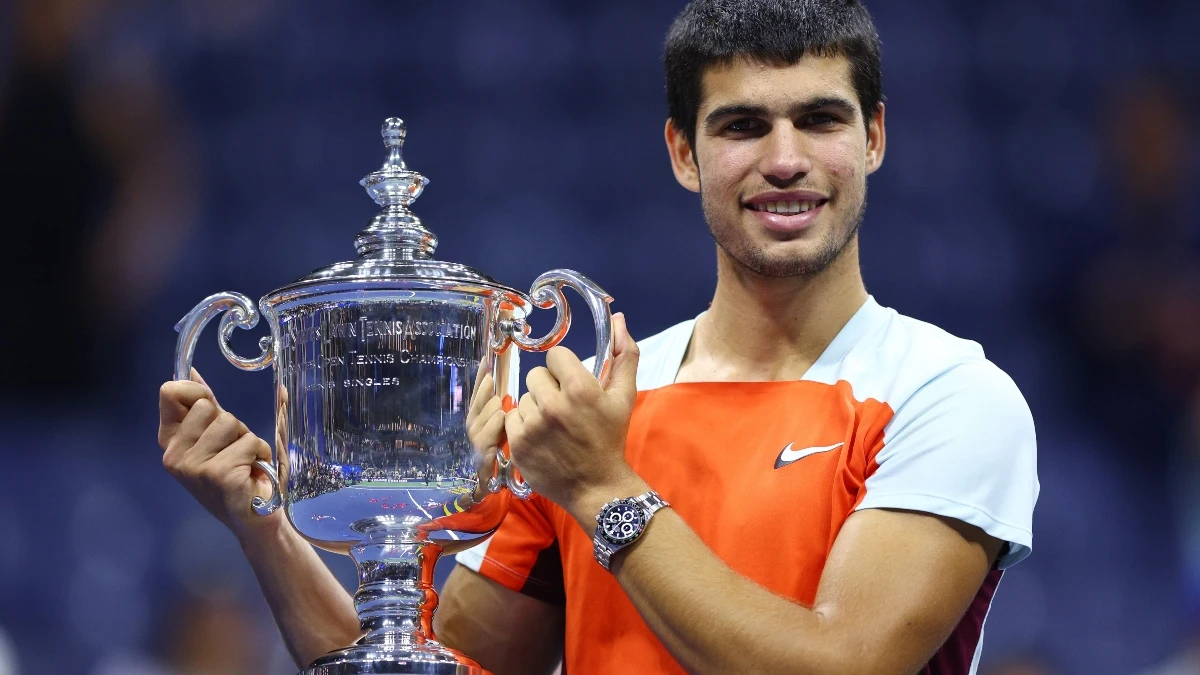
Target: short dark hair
{"type": "Point", "coordinates": [708, 33]}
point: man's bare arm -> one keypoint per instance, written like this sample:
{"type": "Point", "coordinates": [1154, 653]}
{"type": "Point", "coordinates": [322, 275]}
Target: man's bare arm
{"type": "Point", "coordinates": [894, 587]}
{"type": "Point", "coordinates": [506, 631]}
{"type": "Point", "coordinates": [314, 613]}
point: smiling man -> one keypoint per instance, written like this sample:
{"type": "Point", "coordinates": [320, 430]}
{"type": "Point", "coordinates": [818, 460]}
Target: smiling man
{"type": "Point", "coordinates": [804, 480]}
{"type": "Point", "coordinates": [799, 480]}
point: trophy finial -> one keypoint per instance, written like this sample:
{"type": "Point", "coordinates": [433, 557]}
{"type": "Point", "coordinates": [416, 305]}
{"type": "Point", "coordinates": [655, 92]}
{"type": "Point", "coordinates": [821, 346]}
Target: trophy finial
{"type": "Point", "coordinates": [393, 132]}
{"type": "Point", "coordinates": [394, 184]}
{"type": "Point", "coordinates": [396, 232]}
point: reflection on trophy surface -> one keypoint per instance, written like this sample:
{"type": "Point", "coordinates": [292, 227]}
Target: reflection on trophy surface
{"type": "Point", "coordinates": [376, 363]}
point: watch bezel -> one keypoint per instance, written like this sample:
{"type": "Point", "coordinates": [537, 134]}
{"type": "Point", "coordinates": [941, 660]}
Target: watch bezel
{"type": "Point", "coordinates": [639, 523]}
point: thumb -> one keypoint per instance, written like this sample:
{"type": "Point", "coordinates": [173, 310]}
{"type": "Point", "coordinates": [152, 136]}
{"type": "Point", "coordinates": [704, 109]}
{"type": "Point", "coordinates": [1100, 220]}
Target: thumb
{"type": "Point", "coordinates": [625, 359]}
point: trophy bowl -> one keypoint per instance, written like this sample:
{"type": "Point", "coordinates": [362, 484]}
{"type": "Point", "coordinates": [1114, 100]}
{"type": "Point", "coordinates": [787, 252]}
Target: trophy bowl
{"type": "Point", "coordinates": [376, 364]}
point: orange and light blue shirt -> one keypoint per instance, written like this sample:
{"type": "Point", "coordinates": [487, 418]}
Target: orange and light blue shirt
{"type": "Point", "coordinates": [896, 414]}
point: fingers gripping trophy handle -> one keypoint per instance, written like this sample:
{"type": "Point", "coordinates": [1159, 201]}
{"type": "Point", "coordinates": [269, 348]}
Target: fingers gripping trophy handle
{"type": "Point", "coordinates": [546, 293]}
{"type": "Point", "coordinates": [239, 312]}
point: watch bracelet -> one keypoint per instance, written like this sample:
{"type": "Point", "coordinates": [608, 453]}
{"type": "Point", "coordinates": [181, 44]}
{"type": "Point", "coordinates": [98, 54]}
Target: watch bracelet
{"type": "Point", "coordinates": [650, 503]}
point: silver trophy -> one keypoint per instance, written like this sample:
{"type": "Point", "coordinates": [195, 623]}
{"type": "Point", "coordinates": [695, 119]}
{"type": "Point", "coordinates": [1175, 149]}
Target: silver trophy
{"type": "Point", "coordinates": [376, 361]}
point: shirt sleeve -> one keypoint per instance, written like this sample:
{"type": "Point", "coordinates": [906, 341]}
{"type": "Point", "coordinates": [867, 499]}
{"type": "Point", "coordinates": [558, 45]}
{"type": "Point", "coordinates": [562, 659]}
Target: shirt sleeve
{"type": "Point", "coordinates": [963, 447]}
{"type": "Point", "coordinates": [523, 554]}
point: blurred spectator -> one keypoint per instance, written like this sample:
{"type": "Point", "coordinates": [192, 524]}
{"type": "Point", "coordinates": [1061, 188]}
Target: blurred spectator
{"type": "Point", "coordinates": [56, 185]}
{"type": "Point", "coordinates": [209, 636]}
{"type": "Point", "coordinates": [1139, 297]}
{"type": "Point", "coordinates": [97, 184]}
{"type": "Point", "coordinates": [216, 636]}
{"type": "Point", "coordinates": [1136, 320]}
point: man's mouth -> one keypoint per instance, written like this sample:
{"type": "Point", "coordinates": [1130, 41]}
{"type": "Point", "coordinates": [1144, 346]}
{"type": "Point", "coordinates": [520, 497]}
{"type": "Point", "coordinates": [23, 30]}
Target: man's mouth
{"type": "Point", "coordinates": [787, 207]}
{"type": "Point", "coordinates": [787, 213]}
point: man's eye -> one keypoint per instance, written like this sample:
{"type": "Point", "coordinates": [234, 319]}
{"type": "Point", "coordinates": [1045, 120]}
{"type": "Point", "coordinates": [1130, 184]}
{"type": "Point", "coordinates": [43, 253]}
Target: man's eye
{"type": "Point", "coordinates": [744, 126]}
{"type": "Point", "coordinates": [821, 120]}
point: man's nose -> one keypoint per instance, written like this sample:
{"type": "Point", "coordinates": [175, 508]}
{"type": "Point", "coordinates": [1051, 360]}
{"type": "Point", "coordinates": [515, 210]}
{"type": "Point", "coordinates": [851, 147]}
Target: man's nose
{"type": "Point", "coordinates": [785, 156]}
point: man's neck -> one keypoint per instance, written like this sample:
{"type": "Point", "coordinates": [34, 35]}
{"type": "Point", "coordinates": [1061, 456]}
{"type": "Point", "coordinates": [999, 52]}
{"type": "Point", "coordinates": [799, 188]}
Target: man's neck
{"type": "Point", "coordinates": [765, 328]}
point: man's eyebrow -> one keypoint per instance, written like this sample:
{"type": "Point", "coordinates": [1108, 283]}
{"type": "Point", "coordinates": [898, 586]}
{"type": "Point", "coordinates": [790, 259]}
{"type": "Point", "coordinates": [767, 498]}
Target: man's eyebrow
{"type": "Point", "coordinates": [841, 104]}
{"type": "Point", "coordinates": [747, 110]}
{"type": "Point", "coordinates": [735, 110]}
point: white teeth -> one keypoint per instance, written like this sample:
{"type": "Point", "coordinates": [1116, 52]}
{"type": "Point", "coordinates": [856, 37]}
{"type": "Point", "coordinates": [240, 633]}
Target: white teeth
{"type": "Point", "coordinates": [785, 207]}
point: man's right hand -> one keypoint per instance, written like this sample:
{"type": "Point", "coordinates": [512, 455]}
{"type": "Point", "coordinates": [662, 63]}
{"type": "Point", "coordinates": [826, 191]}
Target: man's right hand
{"type": "Point", "coordinates": [212, 454]}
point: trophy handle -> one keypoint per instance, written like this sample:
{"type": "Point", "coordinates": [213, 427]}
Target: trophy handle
{"type": "Point", "coordinates": [546, 293]}
{"type": "Point", "coordinates": [265, 507]}
{"type": "Point", "coordinates": [239, 313]}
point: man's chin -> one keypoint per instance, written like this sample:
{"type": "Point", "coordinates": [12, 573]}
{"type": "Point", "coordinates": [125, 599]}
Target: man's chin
{"type": "Point", "coordinates": [777, 267]}
{"type": "Point", "coordinates": [785, 259]}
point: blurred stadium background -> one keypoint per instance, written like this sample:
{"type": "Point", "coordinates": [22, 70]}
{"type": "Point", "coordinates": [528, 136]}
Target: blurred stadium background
{"type": "Point", "coordinates": [1039, 196]}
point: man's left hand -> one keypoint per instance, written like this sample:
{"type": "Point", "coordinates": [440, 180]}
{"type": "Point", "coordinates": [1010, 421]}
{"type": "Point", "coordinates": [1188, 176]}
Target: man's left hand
{"type": "Point", "coordinates": [567, 434]}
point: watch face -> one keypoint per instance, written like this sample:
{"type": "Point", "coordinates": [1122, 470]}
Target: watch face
{"type": "Point", "coordinates": [622, 522]}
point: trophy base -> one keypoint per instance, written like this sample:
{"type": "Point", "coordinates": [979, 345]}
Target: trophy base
{"type": "Point", "coordinates": [424, 659]}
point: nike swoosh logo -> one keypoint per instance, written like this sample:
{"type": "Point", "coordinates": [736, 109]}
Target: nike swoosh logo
{"type": "Point", "coordinates": [789, 455]}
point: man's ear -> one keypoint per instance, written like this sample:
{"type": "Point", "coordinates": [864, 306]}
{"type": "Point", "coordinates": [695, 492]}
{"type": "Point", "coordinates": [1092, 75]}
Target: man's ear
{"type": "Point", "coordinates": [683, 160]}
{"type": "Point", "coordinates": [876, 140]}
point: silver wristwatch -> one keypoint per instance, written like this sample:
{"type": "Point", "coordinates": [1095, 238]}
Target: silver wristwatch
{"type": "Point", "coordinates": [621, 522]}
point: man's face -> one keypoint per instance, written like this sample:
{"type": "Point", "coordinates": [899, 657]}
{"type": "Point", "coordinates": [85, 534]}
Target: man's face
{"type": "Point", "coordinates": [781, 162]}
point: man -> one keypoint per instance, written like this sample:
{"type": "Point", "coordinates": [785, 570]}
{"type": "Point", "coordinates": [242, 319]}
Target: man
{"type": "Point", "coordinates": [824, 486]}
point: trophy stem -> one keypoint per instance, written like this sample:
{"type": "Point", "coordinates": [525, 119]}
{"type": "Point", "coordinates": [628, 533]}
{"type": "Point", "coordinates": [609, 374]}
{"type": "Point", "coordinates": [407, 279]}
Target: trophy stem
{"type": "Point", "coordinates": [395, 598]}
{"type": "Point", "coordinates": [395, 602]}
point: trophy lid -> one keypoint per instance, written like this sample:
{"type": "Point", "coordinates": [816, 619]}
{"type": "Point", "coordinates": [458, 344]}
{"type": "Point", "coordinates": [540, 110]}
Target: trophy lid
{"type": "Point", "coordinates": [395, 249]}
